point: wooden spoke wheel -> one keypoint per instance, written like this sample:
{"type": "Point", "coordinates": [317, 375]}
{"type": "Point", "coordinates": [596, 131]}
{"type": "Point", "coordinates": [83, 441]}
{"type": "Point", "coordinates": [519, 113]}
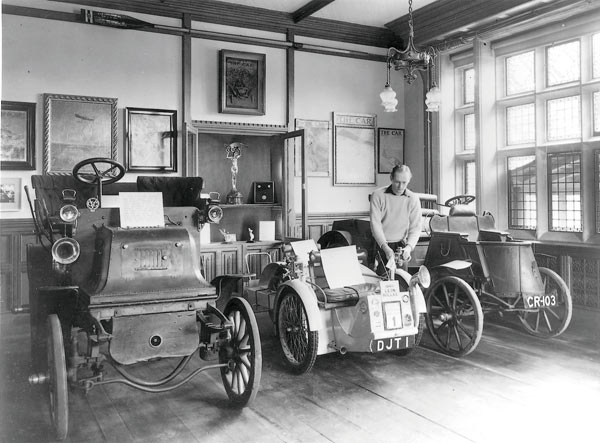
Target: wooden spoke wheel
{"type": "Point", "coordinates": [298, 343]}
{"type": "Point", "coordinates": [243, 354]}
{"type": "Point", "coordinates": [454, 316]}
{"type": "Point", "coordinates": [549, 321]}
{"type": "Point", "coordinates": [57, 378]}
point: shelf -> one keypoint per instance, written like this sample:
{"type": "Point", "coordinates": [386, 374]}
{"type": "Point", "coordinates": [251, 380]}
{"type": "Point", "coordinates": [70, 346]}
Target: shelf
{"type": "Point", "coordinates": [251, 205]}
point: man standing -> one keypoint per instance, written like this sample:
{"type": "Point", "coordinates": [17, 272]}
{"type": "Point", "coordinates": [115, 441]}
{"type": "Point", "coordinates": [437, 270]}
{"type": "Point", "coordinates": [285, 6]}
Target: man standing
{"type": "Point", "coordinates": [395, 218]}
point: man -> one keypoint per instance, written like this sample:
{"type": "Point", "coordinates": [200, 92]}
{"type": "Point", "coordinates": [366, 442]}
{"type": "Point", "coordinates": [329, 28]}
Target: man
{"type": "Point", "coordinates": [395, 218]}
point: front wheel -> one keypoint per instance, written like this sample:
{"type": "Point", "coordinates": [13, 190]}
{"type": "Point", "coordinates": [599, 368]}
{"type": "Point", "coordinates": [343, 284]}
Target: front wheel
{"type": "Point", "coordinates": [454, 316]}
{"type": "Point", "coordinates": [243, 354]}
{"type": "Point", "coordinates": [57, 378]}
{"type": "Point", "coordinates": [298, 343]}
{"type": "Point", "coordinates": [550, 321]}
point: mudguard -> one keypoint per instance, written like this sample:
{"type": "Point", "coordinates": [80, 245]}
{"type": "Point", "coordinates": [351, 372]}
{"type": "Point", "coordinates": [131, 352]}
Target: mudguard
{"type": "Point", "coordinates": [308, 297]}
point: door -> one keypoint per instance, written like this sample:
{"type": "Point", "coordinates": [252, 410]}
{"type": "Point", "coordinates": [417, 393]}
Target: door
{"type": "Point", "coordinates": [295, 199]}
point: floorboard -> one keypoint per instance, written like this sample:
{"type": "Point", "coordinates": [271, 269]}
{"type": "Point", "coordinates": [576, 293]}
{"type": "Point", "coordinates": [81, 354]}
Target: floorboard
{"type": "Point", "coordinates": [513, 387]}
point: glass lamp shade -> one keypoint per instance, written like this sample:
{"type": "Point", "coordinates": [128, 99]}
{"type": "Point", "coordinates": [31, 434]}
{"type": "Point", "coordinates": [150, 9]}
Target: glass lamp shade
{"type": "Point", "coordinates": [433, 99]}
{"type": "Point", "coordinates": [388, 99]}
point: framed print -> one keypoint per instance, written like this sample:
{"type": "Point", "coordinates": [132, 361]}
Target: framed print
{"type": "Point", "coordinates": [150, 140]}
{"type": "Point", "coordinates": [10, 194]}
{"type": "Point", "coordinates": [17, 151]}
{"type": "Point", "coordinates": [241, 82]}
{"type": "Point", "coordinates": [390, 149]}
{"type": "Point", "coordinates": [354, 149]}
{"type": "Point", "coordinates": [77, 128]}
{"type": "Point", "coordinates": [317, 142]}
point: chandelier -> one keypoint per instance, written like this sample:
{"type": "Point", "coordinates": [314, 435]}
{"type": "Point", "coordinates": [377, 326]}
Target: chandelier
{"type": "Point", "coordinates": [410, 60]}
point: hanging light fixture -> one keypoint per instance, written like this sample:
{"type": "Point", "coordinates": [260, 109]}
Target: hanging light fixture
{"type": "Point", "coordinates": [410, 60]}
{"type": "Point", "coordinates": [433, 98]}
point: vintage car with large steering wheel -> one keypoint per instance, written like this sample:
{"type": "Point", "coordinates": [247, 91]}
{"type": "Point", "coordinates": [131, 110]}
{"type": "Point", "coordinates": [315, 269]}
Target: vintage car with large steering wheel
{"type": "Point", "coordinates": [104, 294]}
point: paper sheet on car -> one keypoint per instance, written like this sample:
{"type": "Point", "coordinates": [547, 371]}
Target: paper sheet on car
{"type": "Point", "coordinates": [341, 267]}
{"type": "Point", "coordinates": [141, 210]}
{"type": "Point", "coordinates": [302, 248]}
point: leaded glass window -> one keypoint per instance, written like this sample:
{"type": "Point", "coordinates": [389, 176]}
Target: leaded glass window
{"type": "Point", "coordinates": [468, 86]}
{"type": "Point", "coordinates": [563, 118]}
{"type": "Point", "coordinates": [596, 56]}
{"type": "Point", "coordinates": [520, 124]}
{"type": "Point", "coordinates": [563, 63]}
{"type": "Point", "coordinates": [469, 132]}
{"type": "Point", "coordinates": [564, 177]}
{"type": "Point", "coordinates": [522, 203]}
{"type": "Point", "coordinates": [520, 73]}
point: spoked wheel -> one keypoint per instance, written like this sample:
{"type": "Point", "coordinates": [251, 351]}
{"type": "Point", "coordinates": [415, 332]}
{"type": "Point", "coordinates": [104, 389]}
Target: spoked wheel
{"type": "Point", "coordinates": [454, 316]}
{"type": "Point", "coordinates": [243, 354]}
{"type": "Point", "coordinates": [298, 343]}
{"type": "Point", "coordinates": [550, 321]}
{"type": "Point", "coordinates": [418, 337]}
{"type": "Point", "coordinates": [57, 378]}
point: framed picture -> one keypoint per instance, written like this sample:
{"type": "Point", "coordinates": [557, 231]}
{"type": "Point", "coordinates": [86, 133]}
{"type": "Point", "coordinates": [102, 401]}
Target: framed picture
{"type": "Point", "coordinates": [150, 140]}
{"type": "Point", "coordinates": [390, 149]}
{"type": "Point", "coordinates": [317, 145]}
{"type": "Point", "coordinates": [10, 194]}
{"type": "Point", "coordinates": [354, 149]}
{"type": "Point", "coordinates": [241, 82]}
{"type": "Point", "coordinates": [77, 128]}
{"type": "Point", "coordinates": [17, 151]}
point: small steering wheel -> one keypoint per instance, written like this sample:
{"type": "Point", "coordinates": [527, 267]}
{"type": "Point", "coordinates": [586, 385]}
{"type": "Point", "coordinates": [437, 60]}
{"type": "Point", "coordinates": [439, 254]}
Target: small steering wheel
{"type": "Point", "coordinates": [459, 200]}
{"type": "Point", "coordinates": [104, 175]}
{"type": "Point", "coordinates": [101, 175]}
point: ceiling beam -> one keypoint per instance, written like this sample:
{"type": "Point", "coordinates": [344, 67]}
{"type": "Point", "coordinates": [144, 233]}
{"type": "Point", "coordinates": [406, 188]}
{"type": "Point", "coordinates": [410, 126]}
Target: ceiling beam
{"type": "Point", "coordinates": [241, 16]}
{"type": "Point", "coordinates": [309, 9]}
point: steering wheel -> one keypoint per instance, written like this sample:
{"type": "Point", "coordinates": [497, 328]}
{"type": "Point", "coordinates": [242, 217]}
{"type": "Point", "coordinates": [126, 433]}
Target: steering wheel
{"type": "Point", "coordinates": [459, 200]}
{"type": "Point", "coordinates": [101, 175]}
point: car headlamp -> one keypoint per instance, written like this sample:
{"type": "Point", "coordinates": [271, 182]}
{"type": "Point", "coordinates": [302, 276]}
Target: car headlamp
{"type": "Point", "coordinates": [65, 250]}
{"type": "Point", "coordinates": [214, 214]}
{"type": "Point", "coordinates": [424, 276]}
{"type": "Point", "coordinates": [69, 213]}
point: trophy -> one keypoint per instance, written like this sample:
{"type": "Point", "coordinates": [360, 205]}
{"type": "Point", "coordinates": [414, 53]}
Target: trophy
{"type": "Point", "coordinates": [234, 151]}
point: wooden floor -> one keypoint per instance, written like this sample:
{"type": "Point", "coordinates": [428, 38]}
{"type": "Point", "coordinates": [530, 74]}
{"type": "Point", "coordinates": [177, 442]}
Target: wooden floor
{"type": "Point", "coordinates": [513, 388]}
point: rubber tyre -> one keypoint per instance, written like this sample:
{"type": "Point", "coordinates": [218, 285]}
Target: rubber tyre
{"type": "Point", "coordinates": [244, 352]}
{"type": "Point", "coordinates": [454, 314]}
{"type": "Point", "coordinates": [540, 323]}
{"type": "Point", "coordinates": [57, 378]}
{"type": "Point", "coordinates": [298, 343]}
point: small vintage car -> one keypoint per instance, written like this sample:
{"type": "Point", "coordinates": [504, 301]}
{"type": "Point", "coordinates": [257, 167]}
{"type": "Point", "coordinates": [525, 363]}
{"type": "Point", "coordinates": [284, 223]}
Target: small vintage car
{"type": "Point", "coordinates": [313, 316]}
{"type": "Point", "coordinates": [101, 293]}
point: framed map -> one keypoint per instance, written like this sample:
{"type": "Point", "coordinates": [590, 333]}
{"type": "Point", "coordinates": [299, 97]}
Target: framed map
{"type": "Point", "coordinates": [317, 144]}
{"type": "Point", "coordinates": [354, 149]}
{"type": "Point", "coordinates": [17, 150]}
{"type": "Point", "coordinates": [151, 140]}
{"type": "Point", "coordinates": [77, 128]}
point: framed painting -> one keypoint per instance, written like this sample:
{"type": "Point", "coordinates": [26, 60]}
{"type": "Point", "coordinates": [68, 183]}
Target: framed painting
{"type": "Point", "coordinates": [390, 149]}
{"type": "Point", "coordinates": [17, 151]}
{"type": "Point", "coordinates": [241, 82]}
{"type": "Point", "coordinates": [150, 140]}
{"type": "Point", "coordinates": [77, 128]}
{"type": "Point", "coordinates": [10, 194]}
{"type": "Point", "coordinates": [354, 149]}
{"type": "Point", "coordinates": [317, 144]}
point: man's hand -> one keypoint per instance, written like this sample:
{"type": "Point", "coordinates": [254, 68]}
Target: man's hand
{"type": "Point", "coordinates": [389, 252]}
{"type": "Point", "coordinates": [406, 253]}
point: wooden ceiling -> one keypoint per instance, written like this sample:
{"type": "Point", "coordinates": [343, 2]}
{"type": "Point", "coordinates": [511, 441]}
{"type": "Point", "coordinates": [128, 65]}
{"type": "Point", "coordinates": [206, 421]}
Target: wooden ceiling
{"type": "Point", "coordinates": [435, 23]}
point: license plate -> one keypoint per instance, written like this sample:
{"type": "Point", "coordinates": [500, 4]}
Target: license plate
{"type": "Point", "coordinates": [540, 301]}
{"type": "Point", "coordinates": [392, 344]}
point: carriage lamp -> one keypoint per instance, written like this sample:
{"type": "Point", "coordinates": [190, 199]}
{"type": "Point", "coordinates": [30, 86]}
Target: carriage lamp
{"type": "Point", "coordinates": [65, 251]}
{"type": "Point", "coordinates": [69, 213]}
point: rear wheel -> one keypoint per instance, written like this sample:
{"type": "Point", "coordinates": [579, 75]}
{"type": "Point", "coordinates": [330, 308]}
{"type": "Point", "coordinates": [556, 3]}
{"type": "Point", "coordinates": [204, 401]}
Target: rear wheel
{"type": "Point", "coordinates": [57, 378]}
{"type": "Point", "coordinates": [418, 337]}
{"type": "Point", "coordinates": [243, 354]}
{"type": "Point", "coordinates": [454, 316]}
{"type": "Point", "coordinates": [298, 343]}
{"type": "Point", "coordinates": [550, 321]}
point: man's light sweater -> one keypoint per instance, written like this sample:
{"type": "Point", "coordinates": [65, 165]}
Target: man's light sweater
{"type": "Point", "coordinates": [395, 217]}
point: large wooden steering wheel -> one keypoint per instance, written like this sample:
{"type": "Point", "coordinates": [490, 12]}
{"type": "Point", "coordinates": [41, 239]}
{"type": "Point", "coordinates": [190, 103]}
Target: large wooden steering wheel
{"type": "Point", "coordinates": [459, 200]}
{"type": "Point", "coordinates": [105, 171]}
